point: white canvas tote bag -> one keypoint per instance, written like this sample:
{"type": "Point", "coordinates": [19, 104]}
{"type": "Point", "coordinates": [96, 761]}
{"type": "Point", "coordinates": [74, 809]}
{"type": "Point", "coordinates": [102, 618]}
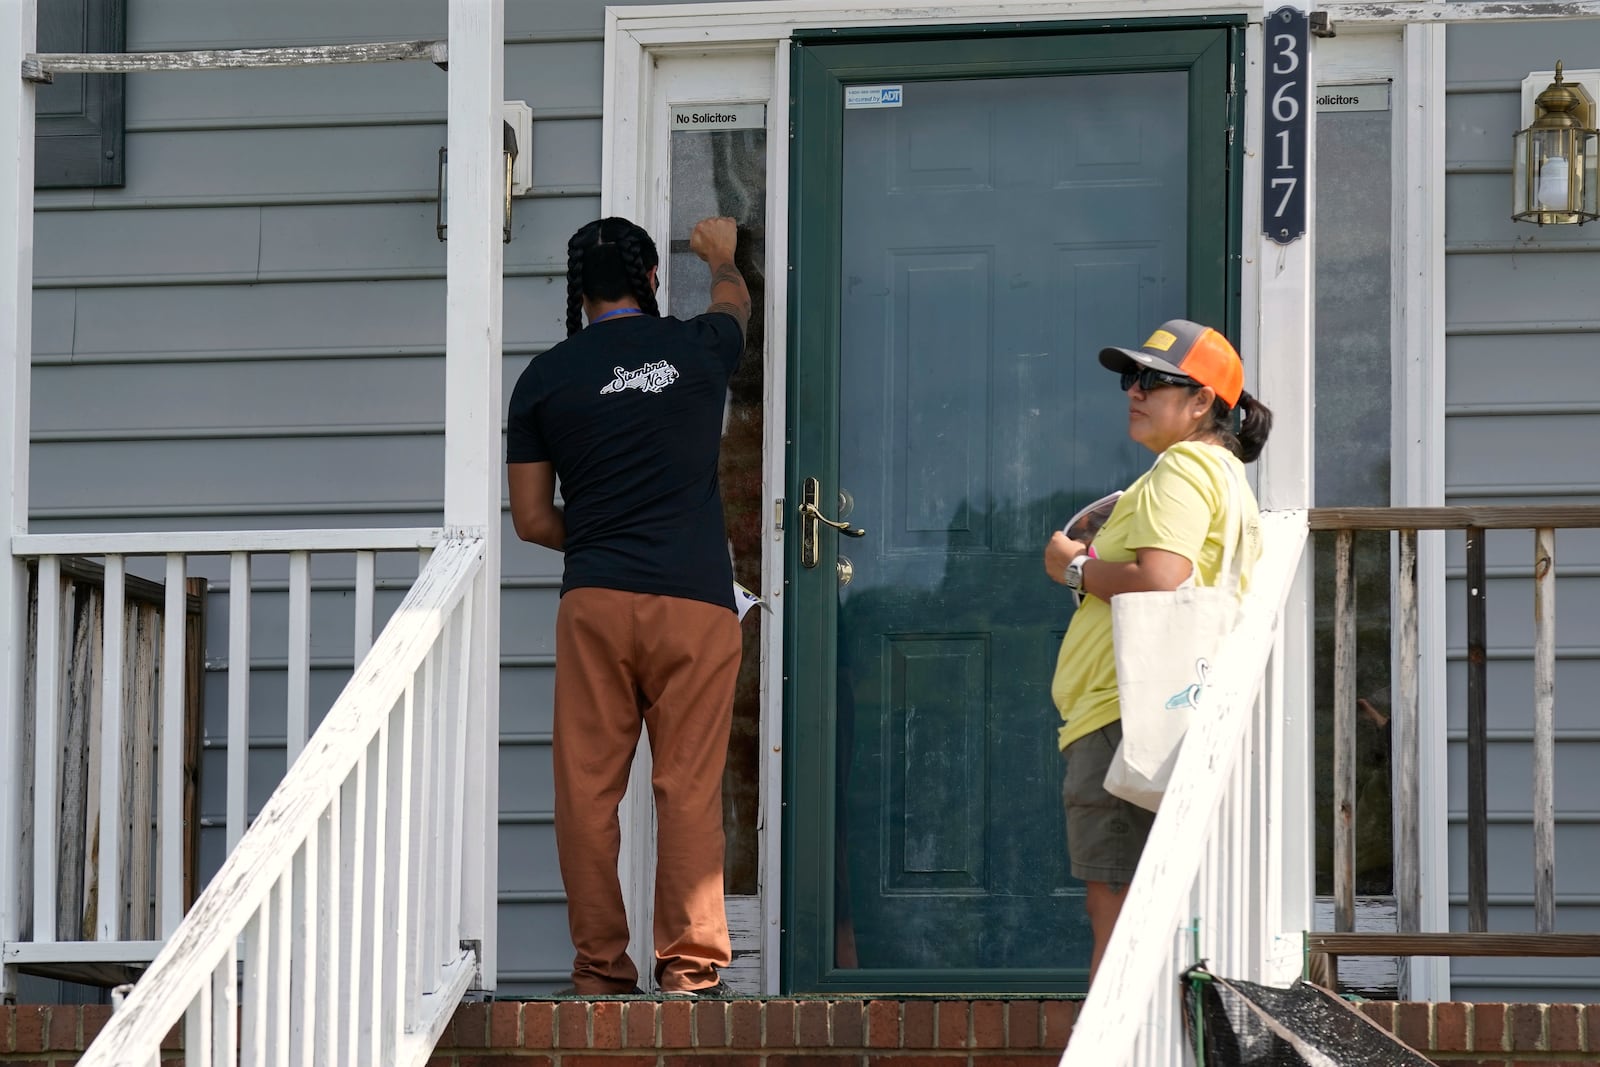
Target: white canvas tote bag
{"type": "Point", "coordinates": [1164, 643]}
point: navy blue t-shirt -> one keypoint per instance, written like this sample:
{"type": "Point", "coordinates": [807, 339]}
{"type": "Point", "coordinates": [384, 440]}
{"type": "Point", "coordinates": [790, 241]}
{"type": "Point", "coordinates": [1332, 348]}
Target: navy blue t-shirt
{"type": "Point", "coordinates": [629, 411]}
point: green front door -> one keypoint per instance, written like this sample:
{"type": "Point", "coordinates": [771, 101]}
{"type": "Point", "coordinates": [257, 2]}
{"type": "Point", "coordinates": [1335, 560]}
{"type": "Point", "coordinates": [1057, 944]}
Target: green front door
{"type": "Point", "coordinates": [969, 226]}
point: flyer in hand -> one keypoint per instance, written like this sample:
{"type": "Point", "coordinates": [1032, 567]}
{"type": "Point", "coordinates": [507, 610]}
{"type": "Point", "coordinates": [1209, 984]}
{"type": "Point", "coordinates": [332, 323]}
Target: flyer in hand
{"type": "Point", "coordinates": [744, 600]}
{"type": "Point", "coordinates": [1087, 522]}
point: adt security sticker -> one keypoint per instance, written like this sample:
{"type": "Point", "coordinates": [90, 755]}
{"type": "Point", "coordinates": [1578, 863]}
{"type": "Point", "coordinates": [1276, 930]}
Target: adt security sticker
{"type": "Point", "coordinates": [859, 96]}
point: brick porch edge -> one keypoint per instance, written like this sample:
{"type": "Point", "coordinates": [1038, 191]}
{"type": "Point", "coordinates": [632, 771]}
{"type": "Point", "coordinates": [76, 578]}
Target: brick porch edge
{"type": "Point", "coordinates": [921, 1032]}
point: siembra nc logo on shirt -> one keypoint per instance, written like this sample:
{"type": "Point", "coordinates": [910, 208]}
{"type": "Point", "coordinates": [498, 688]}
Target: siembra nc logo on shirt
{"type": "Point", "coordinates": [650, 378]}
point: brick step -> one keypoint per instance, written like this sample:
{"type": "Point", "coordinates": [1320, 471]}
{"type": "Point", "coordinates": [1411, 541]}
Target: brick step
{"type": "Point", "coordinates": [916, 1032]}
{"type": "Point", "coordinates": [852, 1032]}
{"type": "Point", "coordinates": [1494, 1035]}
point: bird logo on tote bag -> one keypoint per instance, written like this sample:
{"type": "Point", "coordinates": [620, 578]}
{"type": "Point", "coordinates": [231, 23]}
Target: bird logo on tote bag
{"type": "Point", "coordinates": [1190, 697]}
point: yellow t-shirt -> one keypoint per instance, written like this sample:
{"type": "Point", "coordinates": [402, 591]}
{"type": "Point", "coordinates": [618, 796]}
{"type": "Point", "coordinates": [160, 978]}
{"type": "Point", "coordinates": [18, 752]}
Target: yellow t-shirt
{"type": "Point", "coordinates": [1179, 505]}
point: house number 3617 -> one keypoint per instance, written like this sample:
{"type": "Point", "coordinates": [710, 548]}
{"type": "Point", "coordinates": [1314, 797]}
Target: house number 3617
{"type": "Point", "coordinates": [1286, 86]}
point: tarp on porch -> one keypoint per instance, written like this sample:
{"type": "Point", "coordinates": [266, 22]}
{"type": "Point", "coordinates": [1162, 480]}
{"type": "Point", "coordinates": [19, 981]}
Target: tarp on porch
{"type": "Point", "coordinates": [1241, 1024]}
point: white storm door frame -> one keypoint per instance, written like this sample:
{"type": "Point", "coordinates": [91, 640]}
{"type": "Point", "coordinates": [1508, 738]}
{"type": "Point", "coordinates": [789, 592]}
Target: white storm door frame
{"type": "Point", "coordinates": [738, 73]}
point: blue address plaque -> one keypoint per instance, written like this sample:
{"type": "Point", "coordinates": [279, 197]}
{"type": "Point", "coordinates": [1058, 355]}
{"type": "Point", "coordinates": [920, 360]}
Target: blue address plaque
{"type": "Point", "coordinates": [1286, 85]}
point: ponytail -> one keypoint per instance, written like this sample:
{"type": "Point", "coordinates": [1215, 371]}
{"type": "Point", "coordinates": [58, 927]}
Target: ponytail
{"type": "Point", "coordinates": [1255, 424]}
{"type": "Point", "coordinates": [609, 259]}
{"type": "Point", "coordinates": [1242, 429]}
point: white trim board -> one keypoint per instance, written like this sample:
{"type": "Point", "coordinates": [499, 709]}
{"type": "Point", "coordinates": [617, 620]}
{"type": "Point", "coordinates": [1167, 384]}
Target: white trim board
{"type": "Point", "coordinates": [1417, 349]}
{"type": "Point", "coordinates": [717, 25]}
{"type": "Point", "coordinates": [774, 478]}
{"type": "Point", "coordinates": [636, 168]}
{"type": "Point", "coordinates": [723, 24]}
{"type": "Point", "coordinates": [17, 36]}
{"type": "Point", "coordinates": [1436, 13]}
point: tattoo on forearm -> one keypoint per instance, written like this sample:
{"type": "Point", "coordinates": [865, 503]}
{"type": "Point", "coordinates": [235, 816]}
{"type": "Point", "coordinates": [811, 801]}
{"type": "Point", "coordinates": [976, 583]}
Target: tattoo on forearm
{"type": "Point", "coordinates": [739, 306]}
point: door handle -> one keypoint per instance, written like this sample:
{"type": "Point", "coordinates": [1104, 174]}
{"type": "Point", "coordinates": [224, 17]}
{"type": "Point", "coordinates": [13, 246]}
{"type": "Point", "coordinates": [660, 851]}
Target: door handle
{"type": "Point", "coordinates": [810, 518]}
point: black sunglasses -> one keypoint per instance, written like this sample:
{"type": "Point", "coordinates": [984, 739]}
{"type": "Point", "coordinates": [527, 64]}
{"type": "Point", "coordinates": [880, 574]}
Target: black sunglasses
{"type": "Point", "coordinates": [1149, 379]}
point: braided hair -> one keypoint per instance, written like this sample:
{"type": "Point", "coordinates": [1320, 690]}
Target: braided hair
{"type": "Point", "coordinates": [609, 259]}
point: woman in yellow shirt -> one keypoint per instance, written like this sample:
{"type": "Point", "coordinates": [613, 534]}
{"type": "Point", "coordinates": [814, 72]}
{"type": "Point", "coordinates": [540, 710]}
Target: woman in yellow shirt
{"type": "Point", "coordinates": [1187, 404]}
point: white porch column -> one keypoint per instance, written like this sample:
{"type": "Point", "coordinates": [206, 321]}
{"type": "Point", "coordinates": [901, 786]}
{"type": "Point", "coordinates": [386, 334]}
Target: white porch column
{"type": "Point", "coordinates": [1285, 305]}
{"type": "Point", "coordinates": [1284, 315]}
{"type": "Point", "coordinates": [17, 31]}
{"type": "Point", "coordinates": [1418, 340]}
{"type": "Point", "coordinates": [473, 446]}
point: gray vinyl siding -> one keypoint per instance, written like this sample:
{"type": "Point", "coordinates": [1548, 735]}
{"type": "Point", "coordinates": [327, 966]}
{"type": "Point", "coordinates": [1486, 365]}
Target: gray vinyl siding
{"type": "Point", "coordinates": [1522, 426]}
{"type": "Point", "coordinates": [250, 334]}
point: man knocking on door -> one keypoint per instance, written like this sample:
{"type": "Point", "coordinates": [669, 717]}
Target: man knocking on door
{"type": "Point", "coordinates": [627, 414]}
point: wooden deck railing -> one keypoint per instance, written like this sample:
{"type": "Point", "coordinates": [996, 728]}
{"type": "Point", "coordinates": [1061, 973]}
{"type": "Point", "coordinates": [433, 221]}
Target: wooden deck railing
{"type": "Point", "coordinates": [86, 716]}
{"type": "Point", "coordinates": [1475, 522]}
{"type": "Point", "coordinates": [64, 757]}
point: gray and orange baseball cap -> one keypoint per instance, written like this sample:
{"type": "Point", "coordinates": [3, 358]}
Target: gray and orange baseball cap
{"type": "Point", "coordinates": [1188, 349]}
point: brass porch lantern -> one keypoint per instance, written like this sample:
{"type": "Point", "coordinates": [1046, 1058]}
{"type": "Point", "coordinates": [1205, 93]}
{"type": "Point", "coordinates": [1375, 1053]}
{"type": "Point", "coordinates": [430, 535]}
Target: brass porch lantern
{"type": "Point", "coordinates": [441, 222]}
{"type": "Point", "coordinates": [1554, 159]}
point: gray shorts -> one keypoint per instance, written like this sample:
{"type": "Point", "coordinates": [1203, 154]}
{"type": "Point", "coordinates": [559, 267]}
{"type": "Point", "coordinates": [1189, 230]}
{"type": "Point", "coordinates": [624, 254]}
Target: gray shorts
{"type": "Point", "coordinates": [1105, 834]}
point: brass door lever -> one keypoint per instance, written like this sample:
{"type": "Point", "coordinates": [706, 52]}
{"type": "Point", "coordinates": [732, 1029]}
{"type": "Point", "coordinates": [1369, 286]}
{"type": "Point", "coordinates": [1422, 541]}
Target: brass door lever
{"type": "Point", "coordinates": [810, 517]}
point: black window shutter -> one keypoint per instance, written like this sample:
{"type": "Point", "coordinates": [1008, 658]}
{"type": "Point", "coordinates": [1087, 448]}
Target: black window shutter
{"type": "Point", "coordinates": [79, 118]}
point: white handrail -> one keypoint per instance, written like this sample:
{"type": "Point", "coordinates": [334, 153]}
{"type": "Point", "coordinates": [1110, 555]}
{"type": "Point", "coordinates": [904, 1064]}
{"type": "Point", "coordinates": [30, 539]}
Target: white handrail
{"type": "Point", "coordinates": [219, 542]}
{"type": "Point", "coordinates": [1202, 878]}
{"type": "Point", "coordinates": [374, 755]}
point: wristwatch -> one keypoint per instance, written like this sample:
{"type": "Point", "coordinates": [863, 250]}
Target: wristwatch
{"type": "Point", "coordinates": [1074, 573]}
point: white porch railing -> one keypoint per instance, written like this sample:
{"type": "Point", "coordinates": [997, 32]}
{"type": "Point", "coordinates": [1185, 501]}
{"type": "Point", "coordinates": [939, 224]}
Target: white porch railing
{"type": "Point", "coordinates": [343, 901]}
{"type": "Point", "coordinates": [1210, 885]}
{"type": "Point", "coordinates": [92, 722]}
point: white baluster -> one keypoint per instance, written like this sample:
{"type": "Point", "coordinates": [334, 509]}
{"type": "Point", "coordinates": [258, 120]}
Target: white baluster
{"type": "Point", "coordinates": [238, 695]}
{"type": "Point", "coordinates": [353, 866]}
{"type": "Point", "coordinates": [278, 1042]}
{"type": "Point", "coordinates": [1267, 718]}
{"type": "Point", "coordinates": [480, 839]}
{"type": "Point", "coordinates": [110, 828]}
{"type": "Point", "coordinates": [303, 1026]}
{"type": "Point", "coordinates": [1216, 899]}
{"type": "Point", "coordinates": [459, 713]}
{"type": "Point", "coordinates": [224, 1012]}
{"type": "Point", "coordinates": [174, 677]}
{"type": "Point", "coordinates": [365, 593]}
{"type": "Point", "coordinates": [1242, 897]}
{"type": "Point", "coordinates": [1254, 839]}
{"type": "Point", "coordinates": [255, 1020]}
{"type": "Point", "coordinates": [328, 886]}
{"type": "Point", "coordinates": [403, 791]}
{"type": "Point", "coordinates": [299, 708]}
{"type": "Point", "coordinates": [425, 832]}
{"type": "Point", "coordinates": [376, 921]}
{"type": "Point", "coordinates": [197, 1027]}
{"type": "Point", "coordinates": [47, 747]}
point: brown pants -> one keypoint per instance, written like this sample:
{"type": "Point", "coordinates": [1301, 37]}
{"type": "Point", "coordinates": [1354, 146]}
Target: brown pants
{"type": "Point", "coordinates": [626, 660]}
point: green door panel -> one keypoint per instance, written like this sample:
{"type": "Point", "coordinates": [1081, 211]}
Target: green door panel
{"type": "Point", "coordinates": [958, 260]}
